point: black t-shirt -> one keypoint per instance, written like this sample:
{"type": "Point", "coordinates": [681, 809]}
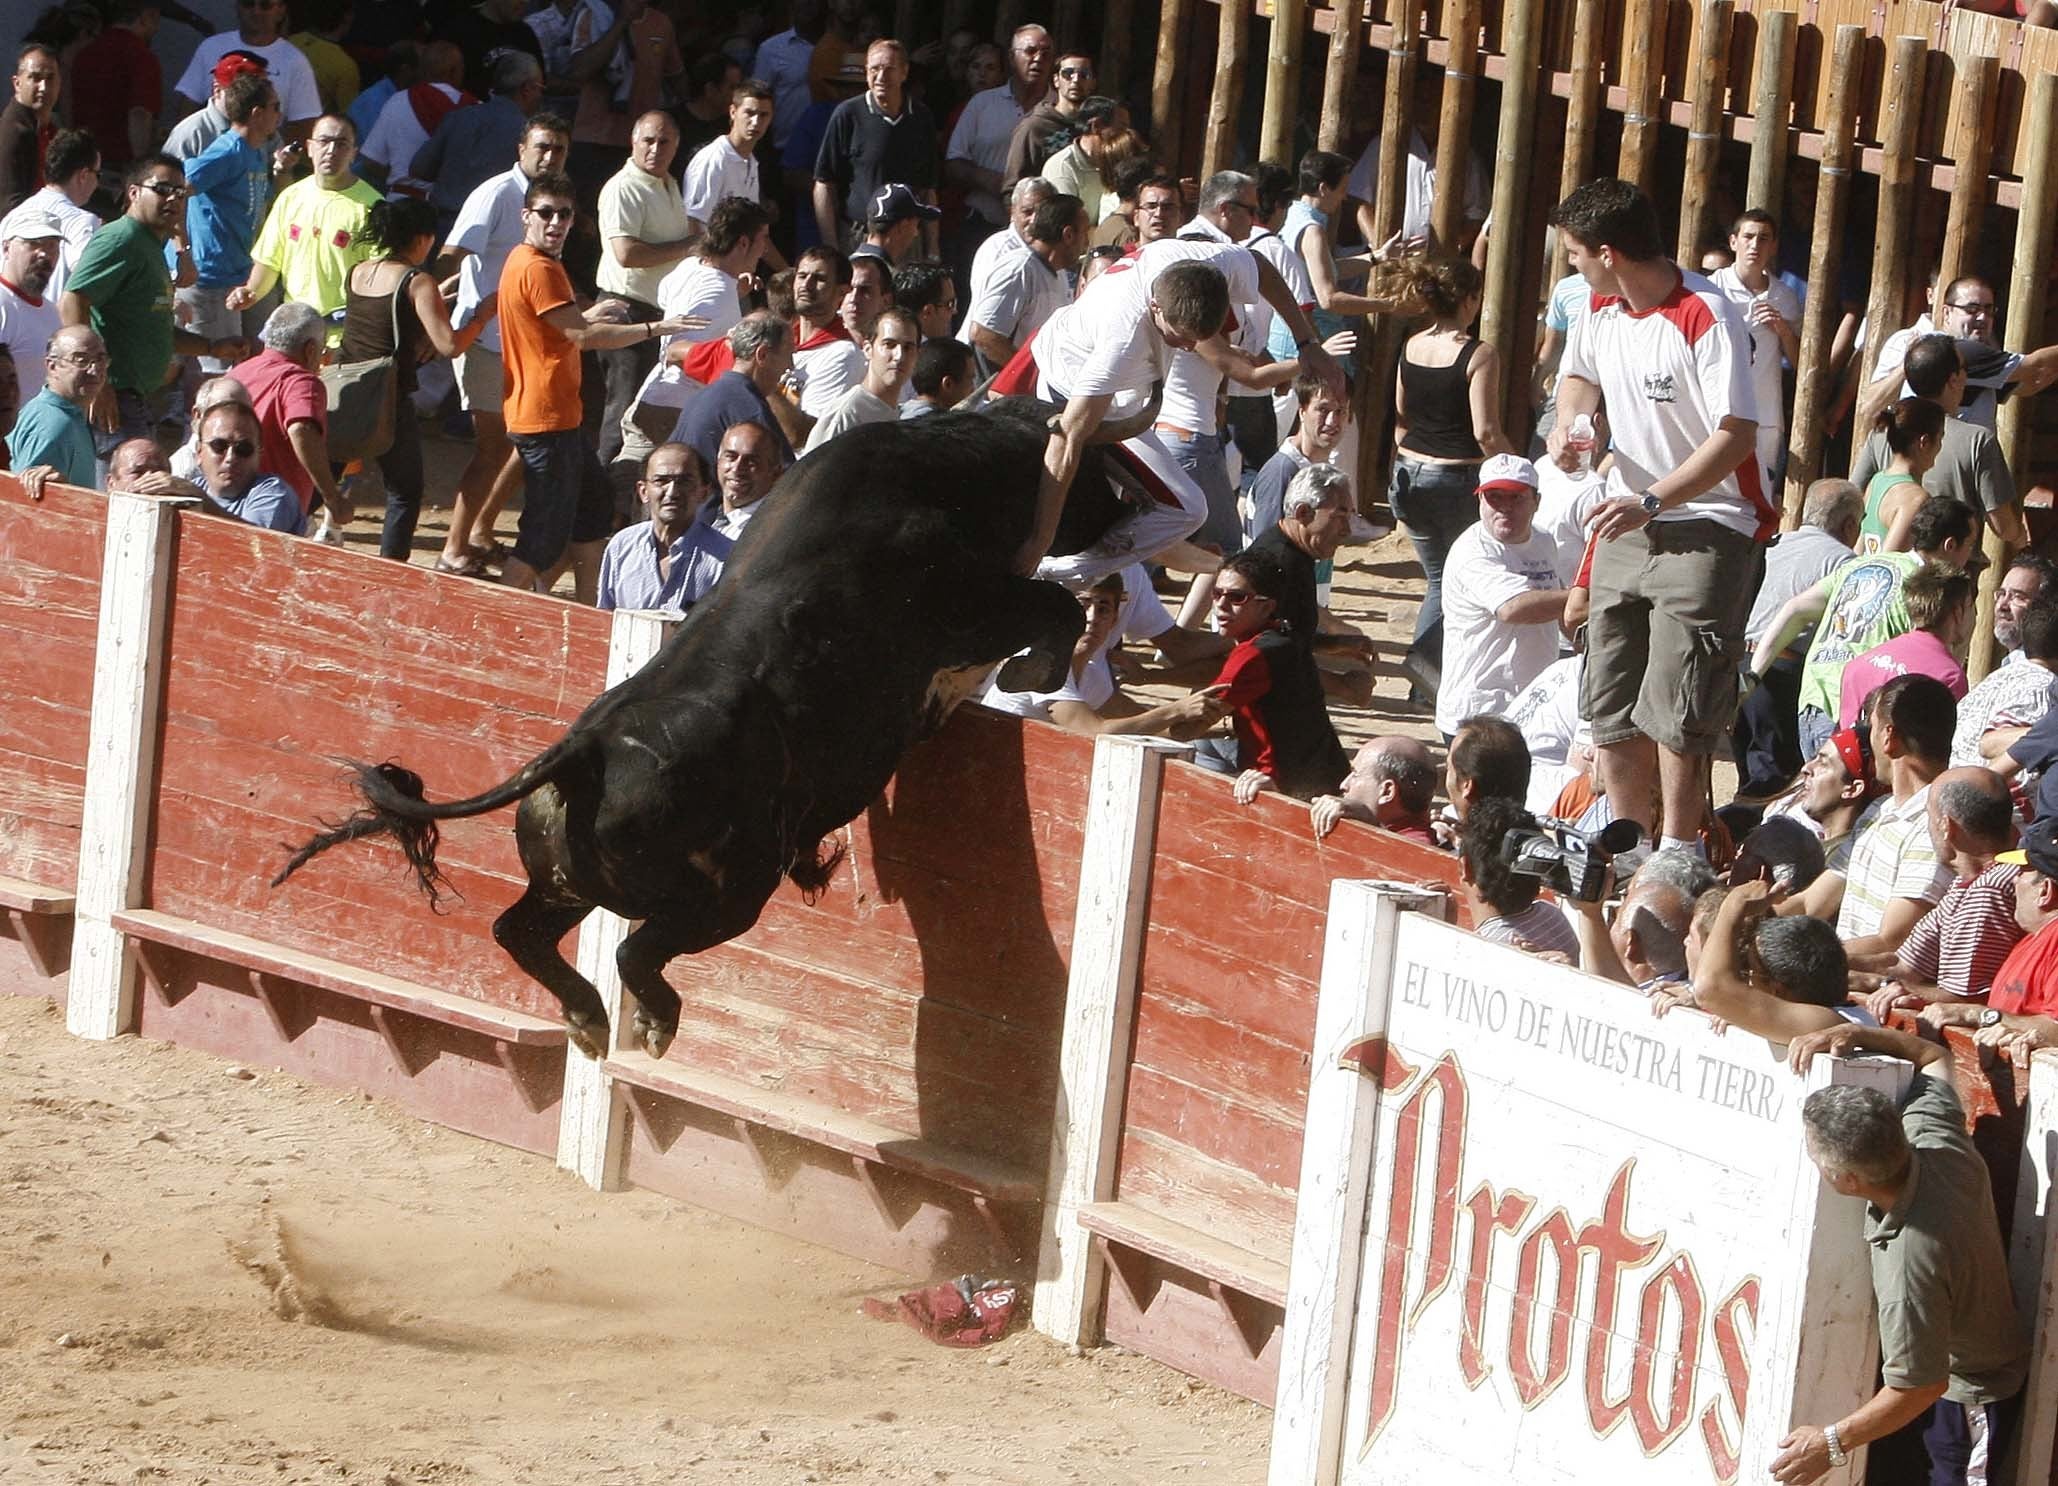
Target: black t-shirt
{"type": "Point", "coordinates": [1275, 696]}
{"type": "Point", "coordinates": [482, 39]}
{"type": "Point", "coordinates": [1299, 606]}
{"type": "Point", "coordinates": [863, 150]}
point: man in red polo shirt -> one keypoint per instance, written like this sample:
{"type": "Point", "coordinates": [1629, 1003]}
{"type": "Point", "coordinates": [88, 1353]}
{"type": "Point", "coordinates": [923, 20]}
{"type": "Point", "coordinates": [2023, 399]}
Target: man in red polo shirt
{"type": "Point", "coordinates": [285, 386]}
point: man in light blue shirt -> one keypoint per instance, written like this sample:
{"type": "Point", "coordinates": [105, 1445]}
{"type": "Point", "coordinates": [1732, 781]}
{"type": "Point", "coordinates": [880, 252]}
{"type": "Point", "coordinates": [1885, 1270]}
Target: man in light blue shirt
{"type": "Point", "coordinates": [647, 565]}
{"type": "Point", "coordinates": [52, 439]}
{"type": "Point", "coordinates": [230, 443]}
{"type": "Point", "coordinates": [231, 184]}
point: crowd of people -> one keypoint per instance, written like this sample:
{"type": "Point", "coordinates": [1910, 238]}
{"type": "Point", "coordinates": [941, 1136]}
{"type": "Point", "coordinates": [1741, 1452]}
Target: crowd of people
{"type": "Point", "coordinates": [641, 266]}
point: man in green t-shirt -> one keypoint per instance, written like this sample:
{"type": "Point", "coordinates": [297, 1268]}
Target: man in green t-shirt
{"type": "Point", "coordinates": [1859, 606]}
{"type": "Point", "coordinates": [314, 233]}
{"type": "Point", "coordinates": [122, 287]}
{"type": "Point", "coordinates": [1952, 1350]}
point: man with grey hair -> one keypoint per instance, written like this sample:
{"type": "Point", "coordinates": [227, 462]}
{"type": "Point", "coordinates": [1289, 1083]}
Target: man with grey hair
{"type": "Point", "coordinates": [1025, 289]}
{"type": "Point", "coordinates": [292, 407]}
{"type": "Point", "coordinates": [2017, 692]}
{"type": "Point", "coordinates": [977, 155]}
{"type": "Point", "coordinates": [52, 438]}
{"type": "Point", "coordinates": [1030, 192]}
{"type": "Point", "coordinates": [1952, 1349]}
{"type": "Point", "coordinates": [1645, 943]}
{"type": "Point", "coordinates": [748, 392]}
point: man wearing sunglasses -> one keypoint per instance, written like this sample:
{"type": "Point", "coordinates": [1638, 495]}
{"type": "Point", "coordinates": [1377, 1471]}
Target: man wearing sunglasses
{"type": "Point", "coordinates": [1035, 138]}
{"type": "Point", "coordinates": [230, 477]}
{"type": "Point", "coordinates": [122, 288]}
{"type": "Point", "coordinates": [314, 233]}
{"type": "Point", "coordinates": [258, 30]}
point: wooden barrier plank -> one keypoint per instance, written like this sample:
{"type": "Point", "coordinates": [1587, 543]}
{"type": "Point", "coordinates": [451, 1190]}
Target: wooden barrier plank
{"type": "Point", "coordinates": [1191, 1249]}
{"type": "Point", "coordinates": [1169, 1178]}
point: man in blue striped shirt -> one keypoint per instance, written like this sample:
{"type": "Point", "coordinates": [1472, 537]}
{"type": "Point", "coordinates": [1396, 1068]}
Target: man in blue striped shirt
{"type": "Point", "coordinates": [646, 566]}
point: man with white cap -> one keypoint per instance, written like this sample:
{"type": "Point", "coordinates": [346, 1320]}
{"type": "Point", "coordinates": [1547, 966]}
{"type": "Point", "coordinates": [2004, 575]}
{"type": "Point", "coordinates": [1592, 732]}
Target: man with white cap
{"type": "Point", "coordinates": [29, 244]}
{"type": "Point", "coordinates": [1502, 598]}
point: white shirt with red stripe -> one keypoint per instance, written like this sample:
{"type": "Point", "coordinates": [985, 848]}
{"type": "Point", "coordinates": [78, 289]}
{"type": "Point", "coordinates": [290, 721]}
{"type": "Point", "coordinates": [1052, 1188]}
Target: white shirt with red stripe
{"type": "Point", "coordinates": [826, 364]}
{"type": "Point", "coordinates": [1105, 342]}
{"type": "Point", "coordinates": [1668, 377]}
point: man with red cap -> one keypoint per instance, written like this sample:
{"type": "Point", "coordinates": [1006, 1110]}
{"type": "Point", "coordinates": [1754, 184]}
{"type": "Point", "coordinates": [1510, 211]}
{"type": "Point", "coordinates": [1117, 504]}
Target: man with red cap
{"type": "Point", "coordinates": [1502, 598]}
{"type": "Point", "coordinates": [258, 31]}
{"type": "Point", "coordinates": [209, 122]}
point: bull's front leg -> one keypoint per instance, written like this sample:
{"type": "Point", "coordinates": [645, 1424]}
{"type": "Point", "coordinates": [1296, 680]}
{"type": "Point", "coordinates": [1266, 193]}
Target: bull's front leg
{"type": "Point", "coordinates": [990, 621]}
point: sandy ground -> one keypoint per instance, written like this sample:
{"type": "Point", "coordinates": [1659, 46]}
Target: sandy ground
{"type": "Point", "coordinates": [210, 1274]}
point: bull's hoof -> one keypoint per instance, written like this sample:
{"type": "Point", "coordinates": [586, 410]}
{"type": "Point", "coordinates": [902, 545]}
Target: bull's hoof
{"type": "Point", "coordinates": [1030, 673]}
{"type": "Point", "coordinates": [589, 1037]}
{"type": "Point", "coordinates": [655, 1036]}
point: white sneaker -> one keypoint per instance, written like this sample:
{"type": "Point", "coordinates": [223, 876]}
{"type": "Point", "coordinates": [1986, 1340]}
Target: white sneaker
{"type": "Point", "coordinates": [1364, 532]}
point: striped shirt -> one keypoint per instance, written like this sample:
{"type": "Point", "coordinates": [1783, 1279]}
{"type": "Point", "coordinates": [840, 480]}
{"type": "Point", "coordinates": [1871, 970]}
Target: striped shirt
{"type": "Point", "coordinates": [1541, 928]}
{"type": "Point", "coordinates": [1893, 858]}
{"type": "Point", "coordinates": [1959, 945]}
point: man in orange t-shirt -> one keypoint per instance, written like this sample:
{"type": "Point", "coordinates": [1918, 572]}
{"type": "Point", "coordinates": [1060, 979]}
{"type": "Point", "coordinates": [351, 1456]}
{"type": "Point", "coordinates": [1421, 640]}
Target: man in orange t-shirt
{"type": "Point", "coordinates": [566, 501]}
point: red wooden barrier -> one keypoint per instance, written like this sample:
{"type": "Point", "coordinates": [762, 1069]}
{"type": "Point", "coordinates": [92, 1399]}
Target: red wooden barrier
{"type": "Point", "coordinates": [282, 657]}
{"type": "Point", "coordinates": [50, 556]}
{"type": "Point", "coordinates": [1218, 1080]}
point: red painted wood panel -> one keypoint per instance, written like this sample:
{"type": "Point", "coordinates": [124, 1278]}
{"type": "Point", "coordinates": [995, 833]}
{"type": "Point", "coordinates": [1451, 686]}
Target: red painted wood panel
{"type": "Point", "coordinates": [1232, 963]}
{"type": "Point", "coordinates": [285, 656]}
{"type": "Point", "coordinates": [50, 556]}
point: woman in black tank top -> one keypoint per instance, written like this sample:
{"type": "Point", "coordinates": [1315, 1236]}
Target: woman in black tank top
{"type": "Point", "coordinates": [1447, 419]}
{"type": "Point", "coordinates": [392, 308]}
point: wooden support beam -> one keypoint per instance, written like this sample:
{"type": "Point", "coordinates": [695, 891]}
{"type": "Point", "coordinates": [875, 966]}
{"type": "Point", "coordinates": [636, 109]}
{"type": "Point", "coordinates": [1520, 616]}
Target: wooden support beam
{"type": "Point", "coordinates": [1978, 89]}
{"type": "Point", "coordinates": [1505, 320]}
{"type": "Point", "coordinates": [1165, 80]}
{"type": "Point", "coordinates": [1068, 27]}
{"type": "Point", "coordinates": [1007, 15]}
{"type": "Point", "coordinates": [1454, 126]}
{"type": "Point", "coordinates": [1900, 121]}
{"type": "Point", "coordinates": [1283, 83]}
{"type": "Point", "coordinates": [1704, 135]}
{"type": "Point", "coordinates": [1396, 122]}
{"type": "Point", "coordinates": [1772, 110]}
{"type": "Point", "coordinates": [1582, 112]}
{"type": "Point", "coordinates": [1225, 99]}
{"type": "Point", "coordinates": [1339, 72]}
{"type": "Point", "coordinates": [2036, 230]}
{"type": "Point", "coordinates": [1814, 385]}
{"type": "Point", "coordinates": [1113, 62]}
{"type": "Point", "coordinates": [1643, 30]}
{"type": "Point", "coordinates": [904, 18]}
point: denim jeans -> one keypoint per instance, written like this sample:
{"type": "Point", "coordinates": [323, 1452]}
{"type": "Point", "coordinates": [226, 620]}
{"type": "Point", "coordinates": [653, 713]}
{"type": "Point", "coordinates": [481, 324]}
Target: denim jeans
{"type": "Point", "coordinates": [401, 468]}
{"type": "Point", "coordinates": [1205, 458]}
{"type": "Point", "coordinates": [565, 497]}
{"type": "Point", "coordinates": [1434, 503]}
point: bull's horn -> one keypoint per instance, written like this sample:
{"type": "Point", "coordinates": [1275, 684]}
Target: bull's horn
{"type": "Point", "coordinates": [1115, 430]}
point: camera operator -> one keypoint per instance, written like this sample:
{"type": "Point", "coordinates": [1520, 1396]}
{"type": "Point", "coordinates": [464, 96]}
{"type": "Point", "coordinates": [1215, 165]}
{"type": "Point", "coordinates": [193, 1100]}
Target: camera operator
{"type": "Point", "coordinates": [1504, 904]}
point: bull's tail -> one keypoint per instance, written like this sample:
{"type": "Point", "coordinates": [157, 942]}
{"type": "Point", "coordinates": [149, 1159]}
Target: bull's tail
{"type": "Point", "coordinates": [394, 806]}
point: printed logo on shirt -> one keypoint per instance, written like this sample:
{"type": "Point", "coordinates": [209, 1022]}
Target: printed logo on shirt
{"type": "Point", "coordinates": [1660, 387]}
{"type": "Point", "coordinates": [293, 232]}
{"type": "Point", "coordinates": [342, 237]}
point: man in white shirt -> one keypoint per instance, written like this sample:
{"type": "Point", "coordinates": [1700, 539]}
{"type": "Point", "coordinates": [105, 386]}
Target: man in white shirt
{"type": "Point", "coordinates": [826, 360]}
{"type": "Point", "coordinates": [1772, 310]}
{"type": "Point", "coordinates": [489, 227]}
{"type": "Point", "coordinates": [1418, 194]}
{"type": "Point", "coordinates": [289, 69]}
{"type": "Point", "coordinates": [976, 157]}
{"type": "Point", "coordinates": [727, 165]}
{"type": "Point", "coordinates": [2018, 691]}
{"type": "Point", "coordinates": [408, 119]}
{"type": "Point", "coordinates": [889, 359]}
{"type": "Point", "coordinates": [72, 165]}
{"type": "Point", "coordinates": [747, 465]}
{"type": "Point", "coordinates": [1030, 192]}
{"type": "Point", "coordinates": [29, 246]}
{"type": "Point", "coordinates": [1672, 358]}
{"type": "Point", "coordinates": [1503, 602]}
{"type": "Point", "coordinates": [1027, 288]}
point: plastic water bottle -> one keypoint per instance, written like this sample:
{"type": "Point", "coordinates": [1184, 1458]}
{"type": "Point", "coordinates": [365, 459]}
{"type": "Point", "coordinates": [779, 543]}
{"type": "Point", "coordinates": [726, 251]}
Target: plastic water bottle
{"type": "Point", "coordinates": [1579, 438]}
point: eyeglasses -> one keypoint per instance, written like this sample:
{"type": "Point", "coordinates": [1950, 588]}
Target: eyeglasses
{"type": "Point", "coordinates": [1975, 306]}
{"type": "Point", "coordinates": [1250, 207]}
{"type": "Point", "coordinates": [241, 448]}
{"type": "Point", "coordinates": [83, 363]}
{"type": "Point", "coordinates": [1235, 598]}
{"type": "Point", "coordinates": [169, 190]}
{"type": "Point", "coordinates": [550, 213]}
{"type": "Point", "coordinates": [1075, 72]}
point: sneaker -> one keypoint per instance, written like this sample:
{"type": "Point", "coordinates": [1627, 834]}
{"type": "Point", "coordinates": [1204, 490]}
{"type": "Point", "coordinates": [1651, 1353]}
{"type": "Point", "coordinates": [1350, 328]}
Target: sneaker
{"type": "Point", "coordinates": [1365, 532]}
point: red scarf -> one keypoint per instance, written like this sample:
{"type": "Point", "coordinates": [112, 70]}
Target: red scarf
{"type": "Point", "coordinates": [430, 104]}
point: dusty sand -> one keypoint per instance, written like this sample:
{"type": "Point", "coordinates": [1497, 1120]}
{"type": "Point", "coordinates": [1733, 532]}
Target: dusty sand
{"type": "Point", "coordinates": [210, 1274]}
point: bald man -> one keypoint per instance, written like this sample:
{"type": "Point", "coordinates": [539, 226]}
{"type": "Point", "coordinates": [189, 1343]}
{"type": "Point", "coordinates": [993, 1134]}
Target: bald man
{"type": "Point", "coordinates": [409, 118]}
{"type": "Point", "coordinates": [52, 437]}
{"type": "Point", "coordinates": [1392, 784]}
{"type": "Point", "coordinates": [139, 467]}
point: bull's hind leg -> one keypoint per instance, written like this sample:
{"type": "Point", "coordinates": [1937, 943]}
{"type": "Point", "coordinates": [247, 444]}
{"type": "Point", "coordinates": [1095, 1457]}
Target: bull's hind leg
{"type": "Point", "coordinates": [711, 918]}
{"type": "Point", "coordinates": [986, 621]}
{"type": "Point", "coordinates": [530, 932]}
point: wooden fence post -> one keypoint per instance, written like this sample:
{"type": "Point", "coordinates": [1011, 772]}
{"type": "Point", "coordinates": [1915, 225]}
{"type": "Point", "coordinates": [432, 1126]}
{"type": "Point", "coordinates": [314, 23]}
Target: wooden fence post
{"type": "Point", "coordinates": [1772, 111]}
{"type": "Point", "coordinates": [1503, 321]}
{"type": "Point", "coordinates": [1813, 386]}
{"type": "Point", "coordinates": [1900, 123]}
{"type": "Point", "coordinates": [121, 758]}
{"type": "Point", "coordinates": [2036, 228]}
{"type": "Point", "coordinates": [1339, 74]}
{"type": "Point", "coordinates": [2032, 1264]}
{"type": "Point", "coordinates": [1582, 109]}
{"type": "Point", "coordinates": [1113, 62]}
{"type": "Point", "coordinates": [1374, 385]}
{"type": "Point", "coordinates": [592, 1124]}
{"type": "Point", "coordinates": [1165, 80]}
{"type": "Point", "coordinates": [1643, 33]}
{"type": "Point", "coordinates": [1704, 134]}
{"type": "Point", "coordinates": [1225, 99]}
{"type": "Point", "coordinates": [1283, 82]}
{"type": "Point", "coordinates": [1100, 1012]}
{"type": "Point", "coordinates": [1454, 126]}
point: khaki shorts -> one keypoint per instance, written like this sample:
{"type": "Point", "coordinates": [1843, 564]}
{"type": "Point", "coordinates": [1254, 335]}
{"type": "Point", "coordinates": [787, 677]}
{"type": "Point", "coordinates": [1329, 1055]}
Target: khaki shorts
{"type": "Point", "coordinates": [1666, 633]}
{"type": "Point", "coordinates": [481, 382]}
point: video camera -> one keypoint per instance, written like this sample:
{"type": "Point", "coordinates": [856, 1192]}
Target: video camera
{"type": "Point", "coordinates": [1570, 863]}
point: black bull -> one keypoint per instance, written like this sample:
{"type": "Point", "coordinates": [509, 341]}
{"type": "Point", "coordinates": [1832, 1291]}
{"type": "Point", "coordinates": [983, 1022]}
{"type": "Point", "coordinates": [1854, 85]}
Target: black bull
{"type": "Point", "coordinates": [779, 709]}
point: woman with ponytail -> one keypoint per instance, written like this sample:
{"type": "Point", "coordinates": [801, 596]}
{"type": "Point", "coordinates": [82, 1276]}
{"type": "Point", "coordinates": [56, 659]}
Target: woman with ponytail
{"type": "Point", "coordinates": [395, 309]}
{"type": "Point", "coordinates": [1914, 432]}
{"type": "Point", "coordinates": [1447, 419]}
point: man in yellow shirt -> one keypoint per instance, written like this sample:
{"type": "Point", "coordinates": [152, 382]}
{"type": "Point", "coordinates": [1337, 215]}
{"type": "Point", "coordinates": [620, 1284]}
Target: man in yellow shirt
{"type": "Point", "coordinates": [336, 76]}
{"type": "Point", "coordinates": [314, 234]}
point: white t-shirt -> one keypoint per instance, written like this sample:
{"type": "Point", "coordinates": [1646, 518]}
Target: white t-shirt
{"type": "Point", "coordinates": [692, 286]}
{"type": "Point", "coordinates": [76, 223]}
{"type": "Point", "coordinates": [1091, 689]}
{"type": "Point", "coordinates": [1669, 377]}
{"type": "Point", "coordinates": [1981, 404]}
{"type": "Point", "coordinates": [26, 327]}
{"type": "Point", "coordinates": [1144, 616]}
{"type": "Point", "coordinates": [1019, 295]}
{"type": "Point", "coordinates": [1547, 712]}
{"type": "Point", "coordinates": [287, 66]}
{"type": "Point", "coordinates": [488, 228]}
{"type": "Point", "coordinates": [986, 262]}
{"type": "Point", "coordinates": [1485, 661]}
{"type": "Point", "coordinates": [1419, 196]}
{"type": "Point", "coordinates": [855, 407]}
{"type": "Point", "coordinates": [395, 138]}
{"type": "Point", "coordinates": [1563, 504]}
{"type": "Point", "coordinates": [1255, 332]}
{"type": "Point", "coordinates": [1767, 356]}
{"type": "Point", "coordinates": [717, 171]}
{"type": "Point", "coordinates": [1105, 342]}
{"type": "Point", "coordinates": [824, 368]}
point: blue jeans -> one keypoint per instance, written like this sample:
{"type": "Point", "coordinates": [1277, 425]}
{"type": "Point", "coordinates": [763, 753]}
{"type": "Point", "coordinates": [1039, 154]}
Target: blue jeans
{"type": "Point", "coordinates": [1434, 503]}
{"type": "Point", "coordinates": [1205, 457]}
{"type": "Point", "coordinates": [565, 497]}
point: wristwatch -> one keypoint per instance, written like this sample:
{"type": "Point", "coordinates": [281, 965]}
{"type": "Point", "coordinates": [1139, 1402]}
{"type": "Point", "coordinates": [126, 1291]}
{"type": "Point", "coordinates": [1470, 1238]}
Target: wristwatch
{"type": "Point", "coordinates": [1988, 1017]}
{"type": "Point", "coordinates": [1838, 1455]}
{"type": "Point", "coordinates": [1651, 504]}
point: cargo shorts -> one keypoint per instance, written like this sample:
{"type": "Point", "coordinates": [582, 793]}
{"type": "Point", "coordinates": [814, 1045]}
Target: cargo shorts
{"type": "Point", "coordinates": [1665, 635]}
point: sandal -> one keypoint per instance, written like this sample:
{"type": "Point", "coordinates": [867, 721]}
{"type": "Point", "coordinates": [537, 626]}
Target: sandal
{"type": "Point", "coordinates": [496, 553]}
{"type": "Point", "coordinates": [471, 567]}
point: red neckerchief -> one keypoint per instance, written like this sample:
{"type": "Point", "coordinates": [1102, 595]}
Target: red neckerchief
{"type": "Point", "coordinates": [23, 294]}
{"type": "Point", "coordinates": [836, 331]}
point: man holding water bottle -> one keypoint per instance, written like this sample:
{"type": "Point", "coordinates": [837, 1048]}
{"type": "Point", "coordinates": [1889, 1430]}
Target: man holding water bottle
{"type": "Point", "coordinates": [1773, 312]}
{"type": "Point", "coordinates": [1671, 359]}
